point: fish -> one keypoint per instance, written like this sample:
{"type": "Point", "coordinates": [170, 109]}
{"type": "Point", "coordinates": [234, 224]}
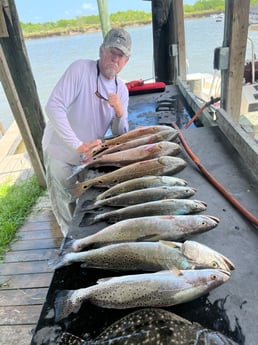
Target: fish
{"type": "Point", "coordinates": [135, 154]}
{"type": "Point", "coordinates": [152, 326]}
{"type": "Point", "coordinates": [140, 196]}
{"type": "Point", "coordinates": [158, 166]}
{"type": "Point", "coordinates": [132, 134]}
{"type": "Point", "coordinates": [149, 229]}
{"type": "Point", "coordinates": [141, 183]}
{"type": "Point", "coordinates": [147, 256]}
{"type": "Point", "coordinates": [151, 208]}
{"type": "Point", "coordinates": [160, 289]}
{"type": "Point", "coordinates": [168, 134]}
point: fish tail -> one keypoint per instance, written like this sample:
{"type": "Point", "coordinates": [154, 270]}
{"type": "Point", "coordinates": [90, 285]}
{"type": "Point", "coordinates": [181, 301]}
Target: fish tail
{"type": "Point", "coordinates": [57, 262]}
{"type": "Point", "coordinates": [90, 219]}
{"type": "Point", "coordinates": [64, 305]}
{"type": "Point", "coordinates": [70, 339]}
{"type": "Point", "coordinates": [68, 246]}
{"type": "Point", "coordinates": [88, 205]}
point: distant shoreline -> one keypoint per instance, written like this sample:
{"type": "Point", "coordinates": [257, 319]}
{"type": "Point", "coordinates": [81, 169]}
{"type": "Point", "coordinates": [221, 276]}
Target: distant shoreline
{"type": "Point", "coordinates": [92, 29]}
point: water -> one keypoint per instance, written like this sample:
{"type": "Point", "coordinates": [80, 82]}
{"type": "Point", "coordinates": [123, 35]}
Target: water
{"type": "Point", "coordinates": [49, 57]}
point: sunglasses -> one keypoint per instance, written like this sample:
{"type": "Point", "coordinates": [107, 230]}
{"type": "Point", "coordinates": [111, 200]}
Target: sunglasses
{"type": "Point", "coordinates": [97, 93]}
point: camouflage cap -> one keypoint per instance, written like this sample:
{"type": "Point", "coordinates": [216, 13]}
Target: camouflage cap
{"type": "Point", "coordinates": [118, 38]}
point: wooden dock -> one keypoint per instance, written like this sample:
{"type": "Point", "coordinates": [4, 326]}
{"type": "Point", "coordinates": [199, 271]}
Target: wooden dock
{"type": "Point", "coordinates": [25, 275]}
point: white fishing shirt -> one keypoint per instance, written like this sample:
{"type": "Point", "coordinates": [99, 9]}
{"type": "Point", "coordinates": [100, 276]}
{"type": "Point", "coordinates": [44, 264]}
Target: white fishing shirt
{"type": "Point", "coordinates": [77, 115]}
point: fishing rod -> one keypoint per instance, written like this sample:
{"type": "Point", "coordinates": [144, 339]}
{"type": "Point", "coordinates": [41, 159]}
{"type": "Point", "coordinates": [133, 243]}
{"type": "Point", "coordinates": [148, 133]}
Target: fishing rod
{"type": "Point", "coordinates": [212, 179]}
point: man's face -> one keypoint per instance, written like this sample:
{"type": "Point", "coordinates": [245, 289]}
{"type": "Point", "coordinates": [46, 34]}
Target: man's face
{"type": "Point", "coordinates": [112, 60]}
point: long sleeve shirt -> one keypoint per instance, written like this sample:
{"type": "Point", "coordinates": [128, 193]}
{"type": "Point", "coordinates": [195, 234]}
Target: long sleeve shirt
{"type": "Point", "coordinates": [77, 115]}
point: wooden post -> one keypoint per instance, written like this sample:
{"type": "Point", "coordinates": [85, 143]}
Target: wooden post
{"type": "Point", "coordinates": [104, 16]}
{"type": "Point", "coordinates": [179, 29]}
{"type": "Point", "coordinates": [235, 37]}
{"type": "Point", "coordinates": [163, 40]}
{"type": "Point", "coordinates": [20, 87]}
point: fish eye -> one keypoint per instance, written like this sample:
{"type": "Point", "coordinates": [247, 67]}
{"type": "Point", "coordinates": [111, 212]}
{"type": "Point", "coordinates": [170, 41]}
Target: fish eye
{"type": "Point", "coordinates": [215, 264]}
{"type": "Point", "coordinates": [213, 277]}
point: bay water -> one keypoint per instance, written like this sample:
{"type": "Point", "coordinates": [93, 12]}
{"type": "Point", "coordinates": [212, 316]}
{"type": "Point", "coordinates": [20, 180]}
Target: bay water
{"type": "Point", "coordinates": [49, 57]}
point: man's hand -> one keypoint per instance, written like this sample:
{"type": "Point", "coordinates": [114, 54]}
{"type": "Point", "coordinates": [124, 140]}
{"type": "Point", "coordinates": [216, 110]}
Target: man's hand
{"type": "Point", "coordinates": [87, 148]}
{"type": "Point", "coordinates": [115, 102]}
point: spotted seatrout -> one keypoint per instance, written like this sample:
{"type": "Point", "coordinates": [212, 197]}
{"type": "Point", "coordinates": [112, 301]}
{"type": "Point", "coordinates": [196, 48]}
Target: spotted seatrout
{"type": "Point", "coordinates": [160, 289]}
{"type": "Point", "coordinates": [158, 166]}
{"type": "Point", "coordinates": [152, 326]}
{"type": "Point", "coordinates": [153, 228]}
{"type": "Point", "coordinates": [142, 183]}
{"type": "Point", "coordinates": [141, 196]}
{"type": "Point", "coordinates": [147, 256]}
{"type": "Point", "coordinates": [151, 208]}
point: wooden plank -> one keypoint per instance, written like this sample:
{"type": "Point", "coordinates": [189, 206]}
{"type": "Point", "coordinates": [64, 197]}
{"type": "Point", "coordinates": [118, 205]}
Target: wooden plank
{"type": "Point", "coordinates": [19, 315]}
{"type": "Point", "coordinates": [20, 334]}
{"type": "Point", "coordinates": [34, 226]}
{"type": "Point", "coordinates": [32, 234]}
{"type": "Point", "coordinates": [29, 255]}
{"type": "Point", "coordinates": [23, 297]}
{"type": "Point", "coordinates": [37, 244]}
{"type": "Point", "coordinates": [21, 281]}
{"type": "Point", "coordinates": [24, 267]}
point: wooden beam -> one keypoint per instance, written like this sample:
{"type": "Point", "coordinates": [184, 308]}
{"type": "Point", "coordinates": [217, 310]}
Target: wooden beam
{"type": "Point", "coordinates": [15, 105]}
{"type": "Point", "coordinates": [179, 29]}
{"type": "Point", "coordinates": [235, 37]}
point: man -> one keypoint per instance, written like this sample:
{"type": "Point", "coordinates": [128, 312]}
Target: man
{"type": "Point", "coordinates": [88, 100]}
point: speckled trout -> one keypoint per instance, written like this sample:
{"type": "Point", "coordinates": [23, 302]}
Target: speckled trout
{"type": "Point", "coordinates": [142, 183]}
{"type": "Point", "coordinates": [147, 256]}
{"type": "Point", "coordinates": [158, 166]}
{"type": "Point", "coordinates": [146, 229]}
{"type": "Point", "coordinates": [151, 208]}
{"type": "Point", "coordinates": [140, 196]}
{"type": "Point", "coordinates": [152, 326]}
{"type": "Point", "coordinates": [159, 289]}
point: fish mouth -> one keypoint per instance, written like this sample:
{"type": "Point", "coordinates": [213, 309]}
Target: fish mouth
{"type": "Point", "coordinates": [229, 264]}
{"type": "Point", "coordinates": [225, 272]}
{"type": "Point", "coordinates": [215, 219]}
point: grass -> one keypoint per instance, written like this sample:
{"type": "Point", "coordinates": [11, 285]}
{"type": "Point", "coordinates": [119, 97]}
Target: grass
{"type": "Point", "coordinates": [16, 202]}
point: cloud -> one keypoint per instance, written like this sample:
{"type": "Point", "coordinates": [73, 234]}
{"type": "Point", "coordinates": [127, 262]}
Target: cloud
{"type": "Point", "coordinates": [89, 7]}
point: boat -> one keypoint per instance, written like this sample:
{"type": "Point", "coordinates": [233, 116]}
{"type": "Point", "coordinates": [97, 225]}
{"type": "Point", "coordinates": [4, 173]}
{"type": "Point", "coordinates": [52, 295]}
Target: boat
{"type": "Point", "coordinates": [206, 86]}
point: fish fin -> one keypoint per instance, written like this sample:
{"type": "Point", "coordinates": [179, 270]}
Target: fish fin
{"type": "Point", "coordinates": [171, 244]}
{"type": "Point", "coordinates": [70, 339]}
{"type": "Point", "coordinates": [64, 306]}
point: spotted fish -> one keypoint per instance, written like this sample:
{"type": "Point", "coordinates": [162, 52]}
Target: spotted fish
{"type": "Point", "coordinates": [152, 228]}
{"type": "Point", "coordinates": [159, 289]}
{"type": "Point", "coordinates": [151, 208]}
{"type": "Point", "coordinates": [147, 256]}
{"type": "Point", "coordinates": [141, 183]}
{"type": "Point", "coordinates": [139, 196]}
{"type": "Point", "coordinates": [152, 326]}
{"type": "Point", "coordinates": [157, 166]}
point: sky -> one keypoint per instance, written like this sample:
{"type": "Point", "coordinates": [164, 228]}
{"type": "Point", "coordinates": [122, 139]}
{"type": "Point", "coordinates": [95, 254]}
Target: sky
{"type": "Point", "coordinates": [40, 11]}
